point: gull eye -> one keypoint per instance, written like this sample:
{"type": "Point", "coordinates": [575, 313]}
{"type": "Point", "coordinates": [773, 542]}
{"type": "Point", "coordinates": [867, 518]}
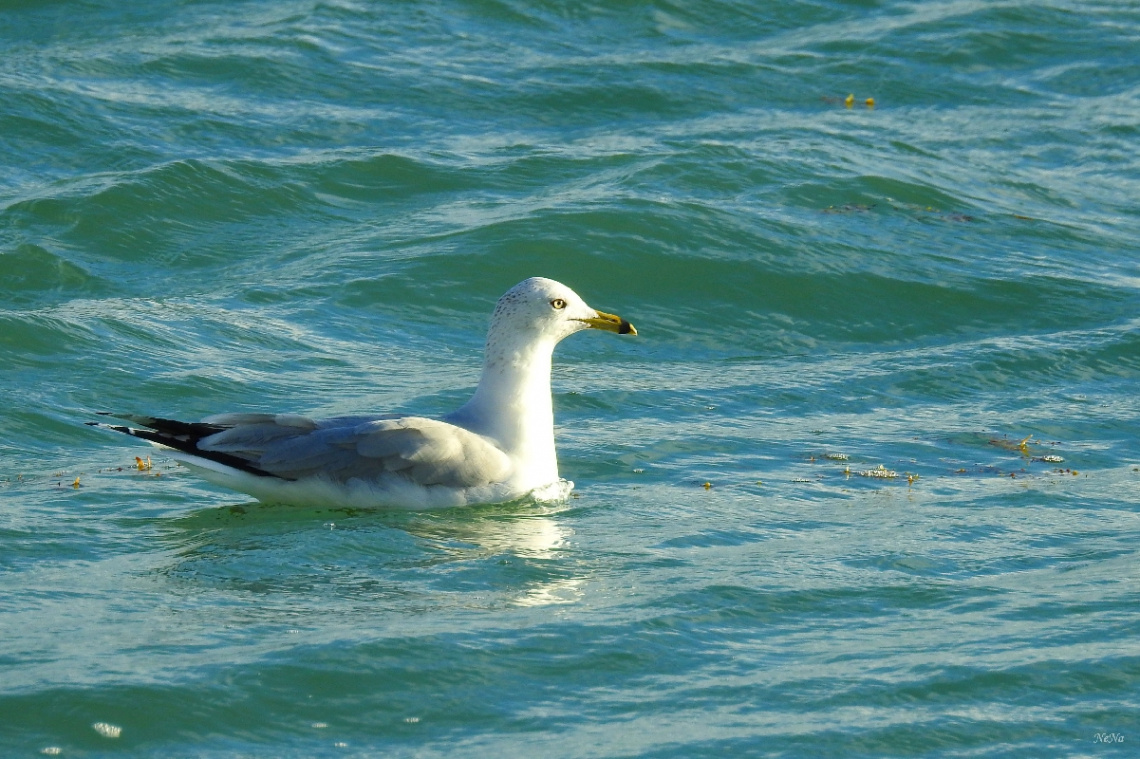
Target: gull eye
{"type": "Point", "coordinates": [558, 303]}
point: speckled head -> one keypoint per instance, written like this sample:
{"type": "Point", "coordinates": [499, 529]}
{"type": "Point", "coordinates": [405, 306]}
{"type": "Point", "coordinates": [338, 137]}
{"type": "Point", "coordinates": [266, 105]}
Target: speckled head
{"type": "Point", "coordinates": [541, 308]}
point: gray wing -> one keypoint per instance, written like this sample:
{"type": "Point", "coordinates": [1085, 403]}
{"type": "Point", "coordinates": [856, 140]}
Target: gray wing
{"type": "Point", "coordinates": [424, 451]}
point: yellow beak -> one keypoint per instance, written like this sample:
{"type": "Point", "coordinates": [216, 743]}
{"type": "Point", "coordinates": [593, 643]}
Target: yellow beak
{"type": "Point", "coordinates": [610, 323]}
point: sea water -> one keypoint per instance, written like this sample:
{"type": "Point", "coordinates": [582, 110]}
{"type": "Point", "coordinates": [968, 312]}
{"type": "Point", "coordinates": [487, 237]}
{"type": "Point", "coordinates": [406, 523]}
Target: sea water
{"type": "Point", "coordinates": [865, 484]}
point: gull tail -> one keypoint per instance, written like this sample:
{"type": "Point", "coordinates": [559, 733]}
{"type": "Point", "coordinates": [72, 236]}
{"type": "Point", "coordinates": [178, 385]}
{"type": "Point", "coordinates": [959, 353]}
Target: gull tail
{"type": "Point", "coordinates": [182, 437]}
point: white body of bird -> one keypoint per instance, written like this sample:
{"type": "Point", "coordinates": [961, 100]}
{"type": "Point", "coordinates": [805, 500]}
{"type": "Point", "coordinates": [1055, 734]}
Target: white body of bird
{"type": "Point", "coordinates": [498, 447]}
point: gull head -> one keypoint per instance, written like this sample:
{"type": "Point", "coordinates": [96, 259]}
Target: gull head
{"type": "Point", "coordinates": [540, 309]}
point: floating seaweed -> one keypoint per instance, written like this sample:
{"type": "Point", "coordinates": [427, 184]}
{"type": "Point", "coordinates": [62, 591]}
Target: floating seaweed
{"type": "Point", "coordinates": [848, 101]}
{"type": "Point", "coordinates": [848, 208]}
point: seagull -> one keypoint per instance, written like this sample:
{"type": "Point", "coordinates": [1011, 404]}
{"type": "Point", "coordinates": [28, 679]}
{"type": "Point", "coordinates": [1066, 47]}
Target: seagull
{"type": "Point", "coordinates": [498, 447]}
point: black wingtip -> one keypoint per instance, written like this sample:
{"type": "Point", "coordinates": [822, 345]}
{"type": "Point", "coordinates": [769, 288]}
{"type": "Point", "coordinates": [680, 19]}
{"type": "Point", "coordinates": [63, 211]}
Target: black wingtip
{"type": "Point", "coordinates": [183, 436]}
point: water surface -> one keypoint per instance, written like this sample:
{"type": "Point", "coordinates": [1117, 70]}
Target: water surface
{"type": "Point", "coordinates": [865, 484]}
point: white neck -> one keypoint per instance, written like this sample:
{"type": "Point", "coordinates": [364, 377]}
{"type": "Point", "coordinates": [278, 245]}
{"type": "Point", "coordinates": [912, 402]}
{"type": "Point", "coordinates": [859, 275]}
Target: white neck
{"type": "Point", "coordinates": [512, 405]}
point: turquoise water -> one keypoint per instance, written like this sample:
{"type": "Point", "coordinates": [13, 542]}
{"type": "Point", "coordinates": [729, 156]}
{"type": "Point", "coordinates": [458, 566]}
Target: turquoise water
{"type": "Point", "coordinates": [312, 207]}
